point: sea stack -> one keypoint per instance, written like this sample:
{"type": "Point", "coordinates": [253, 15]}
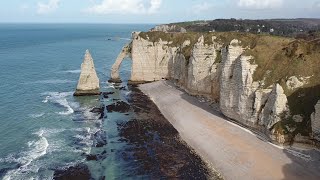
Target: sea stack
{"type": "Point", "coordinates": [88, 82]}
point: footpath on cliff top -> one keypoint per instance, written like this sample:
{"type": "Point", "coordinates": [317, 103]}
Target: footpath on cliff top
{"type": "Point", "coordinates": [235, 152]}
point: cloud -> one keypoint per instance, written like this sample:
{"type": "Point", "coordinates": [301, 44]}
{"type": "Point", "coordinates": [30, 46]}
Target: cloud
{"type": "Point", "coordinates": [316, 4]}
{"type": "Point", "coordinates": [126, 7]}
{"type": "Point", "coordinates": [49, 7]}
{"type": "Point", "coordinates": [203, 7]}
{"type": "Point", "coordinates": [260, 4]}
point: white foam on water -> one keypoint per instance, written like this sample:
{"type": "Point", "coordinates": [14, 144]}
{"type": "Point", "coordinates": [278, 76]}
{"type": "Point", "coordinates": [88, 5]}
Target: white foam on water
{"type": "Point", "coordinates": [65, 103]}
{"type": "Point", "coordinates": [60, 98]}
{"type": "Point", "coordinates": [76, 71]}
{"type": "Point", "coordinates": [89, 115]}
{"type": "Point", "coordinates": [46, 99]}
{"type": "Point", "coordinates": [36, 115]}
{"type": "Point", "coordinates": [127, 39]}
{"type": "Point", "coordinates": [37, 149]}
{"type": "Point", "coordinates": [85, 139]}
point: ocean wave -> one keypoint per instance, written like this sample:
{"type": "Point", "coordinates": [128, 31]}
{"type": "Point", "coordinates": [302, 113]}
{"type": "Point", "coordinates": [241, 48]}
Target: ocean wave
{"type": "Point", "coordinates": [84, 139]}
{"type": "Point", "coordinates": [127, 39]}
{"type": "Point", "coordinates": [46, 99]}
{"type": "Point", "coordinates": [61, 99]}
{"type": "Point", "coordinates": [76, 71]}
{"type": "Point", "coordinates": [65, 103]}
{"type": "Point", "coordinates": [36, 115]}
{"type": "Point", "coordinates": [37, 149]}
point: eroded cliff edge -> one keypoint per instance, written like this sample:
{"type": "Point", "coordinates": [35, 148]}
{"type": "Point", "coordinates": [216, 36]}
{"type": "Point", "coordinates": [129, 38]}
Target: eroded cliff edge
{"type": "Point", "coordinates": [269, 83]}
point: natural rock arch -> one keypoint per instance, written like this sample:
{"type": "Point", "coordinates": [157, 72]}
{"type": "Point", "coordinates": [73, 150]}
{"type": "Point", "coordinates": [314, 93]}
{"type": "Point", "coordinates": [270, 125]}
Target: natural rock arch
{"type": "Point", "coordinates": [126, 52]}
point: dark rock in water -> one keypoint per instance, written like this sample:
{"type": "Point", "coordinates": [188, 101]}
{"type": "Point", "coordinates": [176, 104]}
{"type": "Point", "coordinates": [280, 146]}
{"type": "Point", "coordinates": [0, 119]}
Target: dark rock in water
{"type": "Point", "coordinates": [78, 172]}
{"type": "Point", "coordinates": [97, 110]}
{"type": "Point", "coordinates": [92, 157]}
{"type": "Point", "coordinates": [116, 100]}
{"type": "Point", "coordinates": [97, 157]}
{"type": "Point", "coordinates": [100, 138]}
{"type": "Point", "coordinates": [106, 94]}
{"type": "Point", "coordinates": [120, 106]}
{"type": "Point", "coordinates": [123, 88]}
{"type": "Point", "coordinates": [114, 81]}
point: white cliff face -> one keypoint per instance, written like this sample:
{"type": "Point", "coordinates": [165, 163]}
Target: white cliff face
{"type": "Point", "coordinates": [154, 61]}
{"type": "Point", "coordinates": [150, 60]}
{"type": "Point", "coordinates": [237, 89]}
{"type": "Point", "coordinates": [276, 105]}
{"type": "Point", "coordinates": [315, 122]}
{"type": "Point", "coordinates": [88, 83]}
{"type": "Point", "coordinates": [230, 82]}
{"type": "Point", "coordinates": [203, 68]}
{"type": "Point", "coordinates": [241, 98]}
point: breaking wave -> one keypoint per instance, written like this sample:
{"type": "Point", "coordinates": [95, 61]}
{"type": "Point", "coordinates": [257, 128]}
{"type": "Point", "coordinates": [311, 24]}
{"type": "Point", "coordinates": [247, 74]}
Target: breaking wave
{"type": "Point", "coordinates": [77, 71]}
{"type": "Point", "coordinates": [59, 98]}
{"type": "Point", "coordinates": [36, 149]}
{"type": "Point", "coordinates": [36, 115]}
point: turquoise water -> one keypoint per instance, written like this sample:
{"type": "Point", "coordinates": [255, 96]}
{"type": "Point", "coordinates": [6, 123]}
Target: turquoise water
{"type": "Point", "coordinates": [41, 122]}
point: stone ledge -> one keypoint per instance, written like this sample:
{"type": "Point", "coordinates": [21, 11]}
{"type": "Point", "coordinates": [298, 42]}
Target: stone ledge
{"type": "Point", "coordinates": [87, 92]}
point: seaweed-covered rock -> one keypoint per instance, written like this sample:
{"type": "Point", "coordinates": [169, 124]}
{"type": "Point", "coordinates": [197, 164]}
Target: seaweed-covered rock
{"type": "Point", "coordinates": [120, 106]}
{"type": "Point", "coordinates": [78, 172]}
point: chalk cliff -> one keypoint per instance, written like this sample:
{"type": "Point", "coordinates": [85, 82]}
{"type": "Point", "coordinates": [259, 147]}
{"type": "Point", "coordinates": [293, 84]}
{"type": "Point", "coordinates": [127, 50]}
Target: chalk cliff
{"type": "Point", "coordinates": [88, 83]}
{"type": "Point", "coordinates": [250, 76]}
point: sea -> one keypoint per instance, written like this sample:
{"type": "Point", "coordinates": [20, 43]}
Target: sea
{"type": "Point", "coordinates": [39, 70]}
{"type": "Point", "coordinates": [44, 130]}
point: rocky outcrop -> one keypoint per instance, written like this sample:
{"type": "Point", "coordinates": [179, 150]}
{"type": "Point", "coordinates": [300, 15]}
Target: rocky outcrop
{"type": "Point", "coordinates": [315, 122]}
{"type": "Point", "coordinates": [88, 83]}
{"type": "Point", "coordinates": [169, 28]}
{"type": "Point", "coordinates": [293, 83]}
{"type": "Point", "coordinates": [126, 52]}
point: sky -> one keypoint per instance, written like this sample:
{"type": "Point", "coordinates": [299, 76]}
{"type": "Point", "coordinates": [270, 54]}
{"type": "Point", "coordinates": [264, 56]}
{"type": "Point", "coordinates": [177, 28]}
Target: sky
{"type": "Point", "coordinates": [151, 11]}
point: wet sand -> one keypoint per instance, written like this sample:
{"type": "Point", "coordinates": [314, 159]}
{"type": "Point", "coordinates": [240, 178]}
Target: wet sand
{"type": "Point", "coordinates": [235, 152]}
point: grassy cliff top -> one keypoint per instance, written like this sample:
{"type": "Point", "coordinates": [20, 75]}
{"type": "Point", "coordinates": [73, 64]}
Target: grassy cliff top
{"type": "Point", "coordinates": [280, 27]}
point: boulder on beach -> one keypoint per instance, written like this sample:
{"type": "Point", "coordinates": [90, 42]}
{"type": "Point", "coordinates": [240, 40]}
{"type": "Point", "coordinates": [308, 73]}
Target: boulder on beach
{"type": "Point", "coordinates": [88, 82]}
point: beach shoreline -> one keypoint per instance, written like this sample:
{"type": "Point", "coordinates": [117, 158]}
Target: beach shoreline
{"type": "Point", "coordinates": [233, 151]}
